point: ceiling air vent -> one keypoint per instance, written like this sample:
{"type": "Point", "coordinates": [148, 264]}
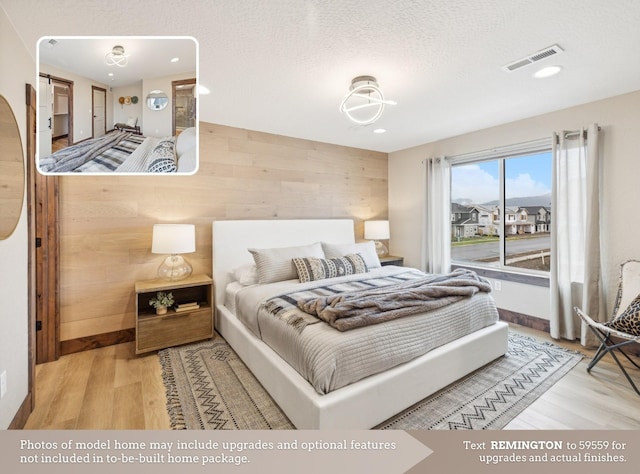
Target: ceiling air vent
{"type": "Point", "coordinates": [533, 58]}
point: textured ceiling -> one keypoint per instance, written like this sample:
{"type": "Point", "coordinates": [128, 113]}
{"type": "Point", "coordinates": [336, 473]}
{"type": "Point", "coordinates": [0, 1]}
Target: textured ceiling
{"type": "Point", "coordinates": [283, 66]}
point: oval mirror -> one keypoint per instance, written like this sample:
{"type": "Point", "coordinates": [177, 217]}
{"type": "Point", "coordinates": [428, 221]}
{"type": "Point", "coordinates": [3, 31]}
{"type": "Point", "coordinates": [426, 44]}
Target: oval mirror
{"type": "Point", "coordinates": [11, 171]}
{"type": "Point", "coordinates": [157, 100]}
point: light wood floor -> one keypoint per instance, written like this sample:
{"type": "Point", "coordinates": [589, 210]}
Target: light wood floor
{"type": "Point", "coordinates": [107, 388]}
{"type": "Point", "coordinates": [59, 143]}
{"type": "Point", "coordinates": [600, 400]}
{"type": "Point", "coordinates": [111, 388]}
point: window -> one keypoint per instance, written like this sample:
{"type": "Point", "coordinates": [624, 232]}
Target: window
{"type": "Point", "coordinates": [514, 183]}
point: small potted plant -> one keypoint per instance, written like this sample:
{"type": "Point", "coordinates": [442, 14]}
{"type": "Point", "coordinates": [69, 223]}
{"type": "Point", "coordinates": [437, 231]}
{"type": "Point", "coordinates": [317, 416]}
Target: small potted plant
{"type": "Point", "coordinates": [161, 302]}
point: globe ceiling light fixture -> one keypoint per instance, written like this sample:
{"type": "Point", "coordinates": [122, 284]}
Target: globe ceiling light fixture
{"type": "Point", "coordinates": [365, 101]}
{"type": "Point", "coordinates": [116, 57]}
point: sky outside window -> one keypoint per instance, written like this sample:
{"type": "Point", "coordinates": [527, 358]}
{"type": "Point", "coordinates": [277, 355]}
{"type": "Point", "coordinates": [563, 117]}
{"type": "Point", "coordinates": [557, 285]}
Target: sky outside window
{"type": "Point", "coordinates": [479, 183]}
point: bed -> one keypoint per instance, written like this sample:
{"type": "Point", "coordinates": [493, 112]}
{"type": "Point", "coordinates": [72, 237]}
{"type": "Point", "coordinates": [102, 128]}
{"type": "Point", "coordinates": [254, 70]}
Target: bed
{"type": "Point", "coordinates": [334, 401]}
{"type": "Point", "coordinates": [121, 151]}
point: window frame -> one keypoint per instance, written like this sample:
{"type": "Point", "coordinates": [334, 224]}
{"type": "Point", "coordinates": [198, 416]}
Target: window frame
{"type": "Point", "coordinates": [501, 154]}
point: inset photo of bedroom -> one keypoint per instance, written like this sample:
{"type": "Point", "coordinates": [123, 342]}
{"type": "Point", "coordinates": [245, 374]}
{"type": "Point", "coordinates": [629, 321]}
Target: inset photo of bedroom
{"type": "Point", "coordinates": [117, 105]}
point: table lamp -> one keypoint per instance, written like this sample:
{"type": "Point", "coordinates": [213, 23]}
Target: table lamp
{"type": "Point", "coordinates": [377, 231]}
{"type": "Point", "coordinates": [174, 239]}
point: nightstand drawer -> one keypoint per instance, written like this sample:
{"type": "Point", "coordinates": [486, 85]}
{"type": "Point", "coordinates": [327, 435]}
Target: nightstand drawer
{"type": "Point", "coordinates": [174, 328]}
{"type": "Point", "coordinates": [156, 332]}
{"type": "Point", "coordinates": [391, 260]}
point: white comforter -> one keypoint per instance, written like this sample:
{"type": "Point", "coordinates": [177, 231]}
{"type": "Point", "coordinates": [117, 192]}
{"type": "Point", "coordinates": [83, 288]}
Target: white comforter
{"type": "Point", "coordinates": [330, 359]}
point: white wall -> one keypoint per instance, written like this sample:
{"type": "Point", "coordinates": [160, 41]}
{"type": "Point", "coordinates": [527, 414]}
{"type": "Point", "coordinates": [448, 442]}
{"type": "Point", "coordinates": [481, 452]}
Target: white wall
{"type": "Point", "coordinates": [122, 112]}
{"type": "Point", "coordinates": [620, 122]}
{"type": "Point", "coordinates": [13, 251]}
{"type": "Point", "coordinates": [157, 123]}
{"type": "Point", "coordinates": [82, 96]}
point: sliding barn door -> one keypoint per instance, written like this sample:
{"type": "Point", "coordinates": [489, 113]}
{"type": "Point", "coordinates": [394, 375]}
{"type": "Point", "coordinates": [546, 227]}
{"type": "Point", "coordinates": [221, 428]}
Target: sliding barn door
{"type": "Point", "coordinates": [45, 116]}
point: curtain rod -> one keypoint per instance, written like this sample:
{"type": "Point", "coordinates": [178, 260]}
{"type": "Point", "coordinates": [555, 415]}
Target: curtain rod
{"type": "Point", "coordinates": [529, 147]}
{"type": "Point", "coordinates": [506, 150]}
{"type": "Point", "coordinates": [576, 133]}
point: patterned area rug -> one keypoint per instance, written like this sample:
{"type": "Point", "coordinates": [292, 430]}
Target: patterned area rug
{"type": "Point", "coordinates": [208, 387]}
{"type": "Point", "coordinates": [492, 396]}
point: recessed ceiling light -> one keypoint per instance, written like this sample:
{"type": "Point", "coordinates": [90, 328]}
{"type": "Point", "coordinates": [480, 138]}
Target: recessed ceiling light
{"type": "Point", "coordinates": [380, 130]}
{"type": "Point", "coordinates": [547, 72]}
{"type": "Point", "coordinates": [110, 74]}
{"type": "Point", "coordinates": [175, 60]}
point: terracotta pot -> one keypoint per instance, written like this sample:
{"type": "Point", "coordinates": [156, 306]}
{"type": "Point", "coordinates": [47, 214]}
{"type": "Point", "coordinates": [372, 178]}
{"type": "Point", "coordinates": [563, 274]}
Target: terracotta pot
{"type": "Point", "coordinates": [161, 310]}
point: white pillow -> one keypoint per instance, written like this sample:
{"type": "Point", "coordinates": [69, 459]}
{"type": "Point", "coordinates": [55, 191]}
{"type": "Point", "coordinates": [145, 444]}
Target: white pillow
{"type": "Point", "coordinates": [188, 161]}
{"type": "Point", "coordinates": [246, 274]}
{"type": "Point", "coordinates": [366, 249]}
{"type": "Point", "coordinates": [277, 264]}
{"type": "Point", "coordinates": [186, 141]}
{"type": "Point", "coordinates": [132, 121]}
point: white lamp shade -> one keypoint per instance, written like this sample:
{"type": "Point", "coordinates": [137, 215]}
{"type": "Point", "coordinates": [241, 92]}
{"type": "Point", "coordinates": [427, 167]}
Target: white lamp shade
{"type": "Point", "coordinates": [376, 230]}
{"type": "Point", "coordinates": [173, 238]}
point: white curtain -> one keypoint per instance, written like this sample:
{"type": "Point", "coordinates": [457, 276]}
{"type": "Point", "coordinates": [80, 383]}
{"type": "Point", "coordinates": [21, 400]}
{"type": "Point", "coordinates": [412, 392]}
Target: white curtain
{"type": "Point", "coordinates": [437, 243]}
{"type": "Point", "coordinates": [576, 278]}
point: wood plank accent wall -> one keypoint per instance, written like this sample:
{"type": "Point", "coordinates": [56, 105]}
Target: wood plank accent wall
{"type": "Point", "coordinates": [106, 221]}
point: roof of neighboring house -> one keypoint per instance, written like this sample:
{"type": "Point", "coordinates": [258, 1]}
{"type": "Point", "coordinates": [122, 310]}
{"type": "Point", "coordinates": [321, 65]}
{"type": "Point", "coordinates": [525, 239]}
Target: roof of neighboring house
{"type": "Point", "coordinates": [481, 208]}
{"type": "Point", "coordinates": [532, 209]}
{"type": "Point", "coordinates": [459, 208]}
{"type": "Point", "coordinates": [464, 221]}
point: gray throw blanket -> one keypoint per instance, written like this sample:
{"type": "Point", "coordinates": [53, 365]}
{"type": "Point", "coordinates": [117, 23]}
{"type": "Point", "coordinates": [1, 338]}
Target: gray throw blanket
{"type": "Point", "coordinates": [373, 306]}
{"type": "Point", "coordinates": [70, 158]}
{"type": "Point", "coordinates": [285, 306]}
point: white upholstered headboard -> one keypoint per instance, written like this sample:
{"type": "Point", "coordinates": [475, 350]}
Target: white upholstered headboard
{"type": "Point", "coordinates": [231, 239]}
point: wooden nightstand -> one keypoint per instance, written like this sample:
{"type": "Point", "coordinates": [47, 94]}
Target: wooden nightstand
{"type": "Point", "coordinates": [155, 332]}
{"type": "Point", "coordinates": [391, 260]}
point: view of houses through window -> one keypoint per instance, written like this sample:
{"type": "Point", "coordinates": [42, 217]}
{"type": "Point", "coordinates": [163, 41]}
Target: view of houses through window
{"type": "Point", "coordinates": [480, 233]}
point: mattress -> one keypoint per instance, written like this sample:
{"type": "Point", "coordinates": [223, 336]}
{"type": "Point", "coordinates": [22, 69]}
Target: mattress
{"type": "Point", "coordinates": [330, 359]}
{"type": "Point", "coordinates": [231, 291]}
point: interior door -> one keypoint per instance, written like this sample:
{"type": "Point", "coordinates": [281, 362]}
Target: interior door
{"type": "Point", "coordinates": [45, 116]}
{"type": "Point", "coordinates": [99, 111]}
{"type": "Point", "coordinates": [184, 104]}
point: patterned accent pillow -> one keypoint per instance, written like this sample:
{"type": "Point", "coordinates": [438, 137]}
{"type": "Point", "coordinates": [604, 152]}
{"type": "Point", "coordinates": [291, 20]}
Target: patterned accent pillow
{"type": "Point", "coordinates": [312, 269]}
{"type": "Point", "coordinates": [276, 265]}
{"type": "Point", "coordinates": [628, 321]}
{"type": "Point", "coordinates": [163, 157]}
